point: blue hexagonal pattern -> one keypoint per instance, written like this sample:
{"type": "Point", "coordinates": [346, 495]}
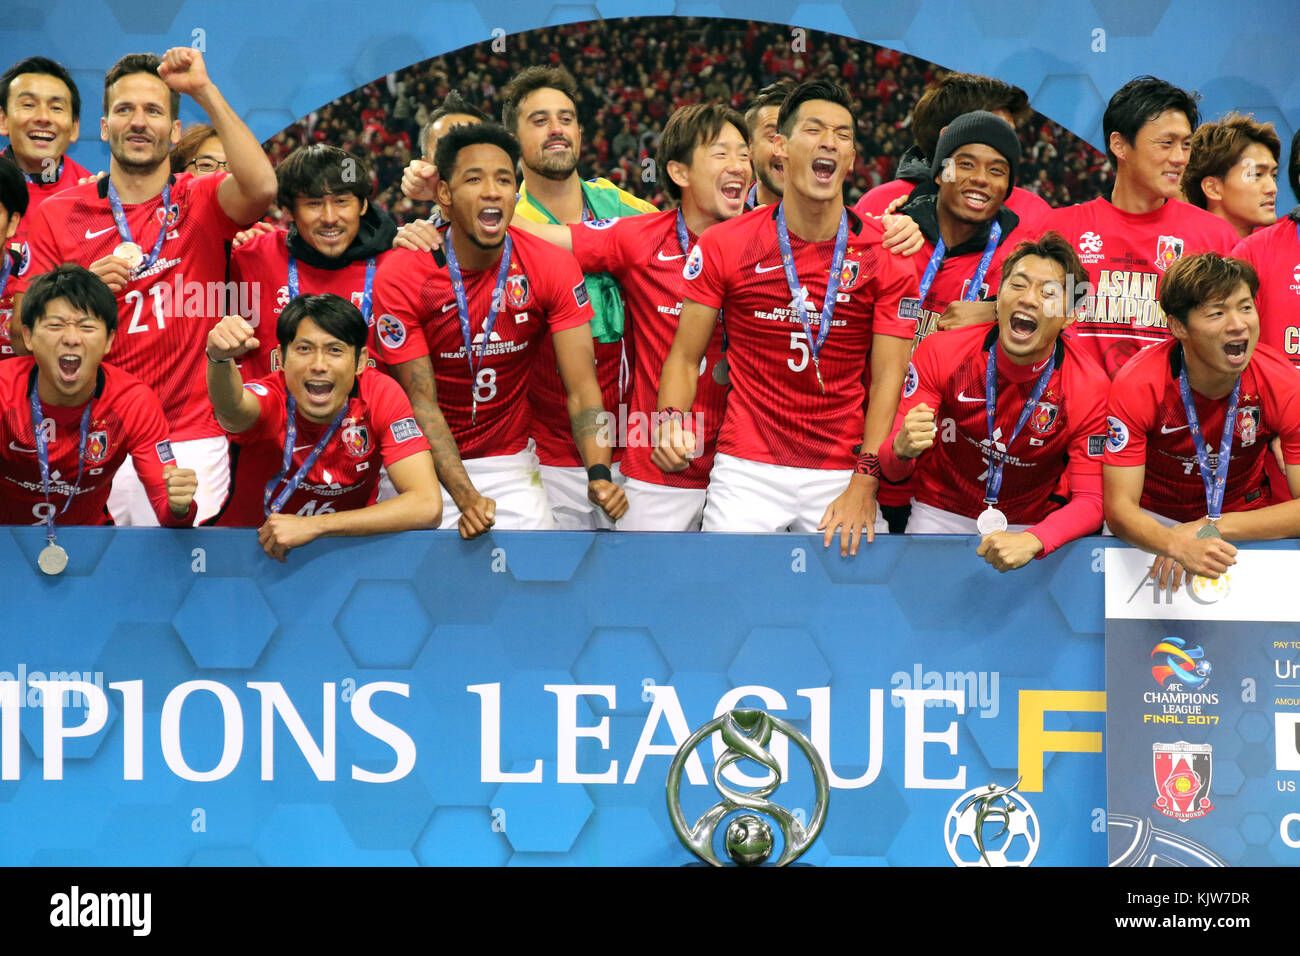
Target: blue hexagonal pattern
{"type": "Point", "coordinates": [213, 599]}
{"type": "Point", "coordinates": [383, 624]}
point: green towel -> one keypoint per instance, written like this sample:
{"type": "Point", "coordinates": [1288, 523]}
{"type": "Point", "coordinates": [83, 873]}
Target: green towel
{"type": "Point", "coordinates": [603, 288]}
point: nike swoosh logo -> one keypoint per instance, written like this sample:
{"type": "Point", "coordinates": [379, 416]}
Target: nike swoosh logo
{"type": "Point", "coordinates": [92, 235]}
{"type": "Point", "coordinates": [449, 306]}
{"type": "Point", "coordinates": [298, 448]}
{"type": "Point", "coordinates": [761, 269]}
{"type": "Point", "coordinates": [664, 258]}
{"type": "Point", "coordinates": [1166, 430]}
{"type": "Point", "coordinates": [25, 451]}
{"type": "Point", "coordinates": [963, 397]}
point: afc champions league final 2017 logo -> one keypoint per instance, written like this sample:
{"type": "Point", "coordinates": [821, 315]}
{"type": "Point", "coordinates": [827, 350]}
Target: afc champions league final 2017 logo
{"type": "Point", "coordinates": [748, 837]}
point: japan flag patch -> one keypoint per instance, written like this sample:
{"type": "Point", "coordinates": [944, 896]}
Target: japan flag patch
{"type": "Point", "coordinates": [694, 264]}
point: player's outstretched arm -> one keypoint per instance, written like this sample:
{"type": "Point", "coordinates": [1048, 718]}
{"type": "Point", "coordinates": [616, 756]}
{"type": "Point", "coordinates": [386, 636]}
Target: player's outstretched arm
{"type": "Point", "coordinates": [576, 358]}
{"type": "Point", "coordinates": [250, 188]}
{"type": "Point", "coordinates": [477, 513]}
{"type": "Point", "coordinates": [675, 447]}
{"type": "Point", "coordinates": [1178, 548]}
{"type": "Point", "coordinates": [556, 235]}
{"type": "Point", "coordinates": [854, 511]}
{"type": "Point", "coordinates": [236, 408]}
{"type": "Point", "coordinates": [1267, 524]}
{"type": "Point", "coordinates": [418, 505]}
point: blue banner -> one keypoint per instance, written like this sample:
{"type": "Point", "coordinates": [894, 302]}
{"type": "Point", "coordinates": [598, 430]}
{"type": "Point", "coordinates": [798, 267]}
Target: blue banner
{"type": "Point", "coordinates": [176, 697]}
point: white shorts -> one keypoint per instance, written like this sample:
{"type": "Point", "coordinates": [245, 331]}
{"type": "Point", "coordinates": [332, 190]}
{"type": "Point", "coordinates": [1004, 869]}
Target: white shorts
{"type": "Point", "coordinates": [927, 519]}
{"type": "Point", "coordinates": [515, 484]}
{"type": "Point", "coordinates": [755, 497]}
{"type": "Point", "coordinates": [128, 502]}
{"type": "Point", "coordinates": [566, 491]}
{"type": "Point", "coordinates": [653, 507]}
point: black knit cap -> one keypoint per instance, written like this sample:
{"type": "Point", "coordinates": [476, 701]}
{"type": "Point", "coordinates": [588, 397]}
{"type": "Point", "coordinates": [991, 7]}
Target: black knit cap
{"type": "Point", "coordinates": [978, 126]}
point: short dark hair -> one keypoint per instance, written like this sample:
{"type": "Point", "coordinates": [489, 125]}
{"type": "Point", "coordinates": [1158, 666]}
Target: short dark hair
{"type": "Point", "coordinates": [47, 67]}
{"type": "Point", "coordinates": [1216, 148]}
{"type": "Point", "coordinates": [318, 170]}
{"type": "Point", "coordinates": [192, 137]}
{"type": "Point", "coordinates": [1141, 100]}
{"type": "Point", "coordinates": [689, 127]}
{"type": "Point", "coordinates": [79, 286]}
{"type": "Point", "coordinates": [816, 89]}
{"type": "Point", "coordinates": [334, 314]}
{"type": "Point", "coordinates": [1054, 246]}
{"type": "Point", "coordinates": [956, 93]}
{"type": "Point", "coordinates": [452, 105]}
{"type": "Point", "coordinates": [139, 63]}
{"type": "Point", "coordinates": [460, 137]}
{"type": "Point", "coordinates": [1194, 280]}
{"type": "Point", "coordinates": [13, 188]}
{"type": "Point", "coordinates": [774, 94]}
{"type": "Point", "coordinates": [530, 80]}
{"type": "Point", "coordinates": [1293, 167]}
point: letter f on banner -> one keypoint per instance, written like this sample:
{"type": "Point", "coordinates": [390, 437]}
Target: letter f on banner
{"type": "Point", "coordinates": [1035, 742]}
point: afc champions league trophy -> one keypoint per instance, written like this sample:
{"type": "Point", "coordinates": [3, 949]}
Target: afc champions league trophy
{"type": "Point", "coordinates": [748, 837]}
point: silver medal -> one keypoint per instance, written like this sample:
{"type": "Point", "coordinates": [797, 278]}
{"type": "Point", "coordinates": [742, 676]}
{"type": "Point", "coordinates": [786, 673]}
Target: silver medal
{"type": "Point", "coordinates": [991, 520]}
{"type": "Point", "coordinates": [131, 254]}
{"type": "Point", "coordinates": [52, 559]}
{"type": "Point", "coordinates": [1208, 531]}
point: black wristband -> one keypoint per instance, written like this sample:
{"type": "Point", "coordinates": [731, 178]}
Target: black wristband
{"type": "Point", "coordinates": [665, 414]}
{"type": "Point", "coordinates": [217, 361]}
{"type": "Point", "coordinates": [599, 473]}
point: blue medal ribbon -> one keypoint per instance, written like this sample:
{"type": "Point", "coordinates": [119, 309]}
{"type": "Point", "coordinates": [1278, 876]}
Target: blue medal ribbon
{"type": "Point", "coordinates": [43, 455]}
{"type": "Point", "coordinates": [5, 269]}
{"type": "Point", "coordinates": [993, 483]}
{"type": "Point", "coordinates": [1215, 481]}
{"type": "Point", "coordinates": [462, 311]}
{"type": "Point", "coordinates": [270, 507]}
{"type": "Point", "coordinates": [796, 289]}
{"type": "Point", "coordinates": [972, 292]}
{"type": "Point", "coordinates": [366, 294]}
{"type": "Point", "coordinates": [751, 200]}
{"type": "Point", "coordinates": [124, 230]}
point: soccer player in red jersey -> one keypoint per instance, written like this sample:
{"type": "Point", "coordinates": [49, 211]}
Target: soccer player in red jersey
{"type": "Point", "coordinates": [158, 242]}
{"type": "Point", "coordinates": [1127, 242]}
{"type": "Point", "coordinates": [40, 112]}
{"type": "Point", "coordinates": [13, 205]}
{"type": "Point", "coordinates": [761, 117]}
{"type": "Point", "coordinates": [420, 178]}
{"type": "Point", "coordinates": [809, 296]}
{"type": "Point", "coordinates": [704, 155]}
{"type": "Point", "coordinates": [1233, 172]}
{"type": "Point", "coordinates": [461, 327]}
{"type": "Point", "coordinates": [943, 101]}
{"type": "Point", "coordinates": [314, 433]}
{"type": "Point", "coordinates": [335, 244]}
{"type": "Point", "coordinates": [1189, 425]}
{"type": "Point", "coordinates": [63, 405]}
{"type": "Point", "coordinates": [1048, 417]}
{"type": "Point", "coordinates": [1274, 251]}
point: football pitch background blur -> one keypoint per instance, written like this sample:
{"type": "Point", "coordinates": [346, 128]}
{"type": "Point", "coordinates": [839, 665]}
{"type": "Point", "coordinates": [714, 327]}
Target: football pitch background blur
{"type": "Point", "coordinates": [390, 634]}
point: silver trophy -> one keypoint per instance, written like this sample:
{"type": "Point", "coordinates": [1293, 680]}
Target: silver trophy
{"type": "Point", "coordinates": [748, 838]}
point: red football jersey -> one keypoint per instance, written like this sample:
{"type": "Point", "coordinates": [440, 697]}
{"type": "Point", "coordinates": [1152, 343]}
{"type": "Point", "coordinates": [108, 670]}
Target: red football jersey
{"type": "Point", "coordinates": [1125, 255]}
{"type": "Point", "coordinates": [67, 174]}
{"type": "Point", "coordinates": [1147, 425]}
{"type": "Point", "coordinates": [261, 269]}
{"type": "Point", "coordinates": [165, 312]}
{"type": "Point", "coordinates": [1030, 207]}
{"type": "Point", "coordinates": [776, 411]}
{"type": "Point", "coordinates": [548, 400]}
{"type": "Point", "coordinates": [125, 418]}
{"type": "Point", "coordinates": [1275, 254]}
{"type": "Point", "coordinates": [378, 430]}
{"type": "Point", "coordinates": [645, 255]}
{"type": "Point", "coordinates": [1066, 429]}
{"type": "Point", "coordinates": [416, 315]}
{"type": "Point", "coordinates": [17, 257]}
